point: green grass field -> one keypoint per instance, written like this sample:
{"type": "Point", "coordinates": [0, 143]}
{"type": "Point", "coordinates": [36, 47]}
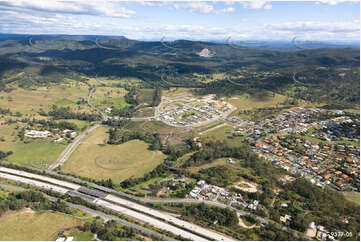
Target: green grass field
{"type": "Point", "coordinates": [81, 236]}
{"type": "Point", "coordinates": [353, 197]}
{"type": "Point", "coordinates": [30, 101]}
{"type": "Point", "coordinates": [247, 102]}
{"type": "Point", "coordinates": [80, 123]}
{"type": "Point", "coordinates": [130, 81]}
{"type": "Point", "coordinates": [37, 153]}
{"type": "Point", "coordinates": [222, 134]}
{"type": "Point", "coordinates": [217, 162]}
{"type": "Point", "coordinates": [105, 97]}
{"type": "Point", "coordinates": [177, 91]}
{"type": "Point", "coordinates": [210, 78]}
{"type": "Point", "coordinates": [145, 96]}
{"type": "Point", "coordinates": [265, 99]}
{"type": "Point", "coordinates": [144, 112]}
{"type": "Point", "coordinates": [28, 225]}
{"type": "Point", "coordinates": [95, 159]}
{"type": "Point", "coordinates": [160, 127]}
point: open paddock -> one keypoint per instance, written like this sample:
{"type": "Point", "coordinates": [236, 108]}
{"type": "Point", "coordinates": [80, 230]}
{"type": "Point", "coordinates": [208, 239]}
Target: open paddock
{"type": "Point", "coordinates": [353, 197]}
{"type": "Point", "coordinates": [28, 225]}
{"type": "Point", "coordinates": [221, 132]}
{"type": "Point", "coordinates": [105, 97]}
{"type": "Point", "coordinates": [95, 159]}
{"type": "Point", "coordinates": [30, 101]}
{"type": "Point", "coordinates": [36, 153]}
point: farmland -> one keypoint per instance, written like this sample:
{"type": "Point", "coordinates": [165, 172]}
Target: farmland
{"type": "Point", "coordinates": [37, 153]}
{"type": "Point", "coordinates": [145, 96]}
{"type": "Point", "coordinates": [105, 97]}
{"type": "Point", "coordinates": [247, 101]}
{"type": "Point", "coordinates": [132, 81]}
{"type": "Point", "coordinates": [30, 225]}
{"type": "Point", "coordinates": [117, 162]}
{"type": "Point", "coordinates": [80, 123]}
{"type": "Point", "coordinates": [266, 132]}
{"type": "Point", "coordinates": [217, 162]}
{"type": "Point", "coordinates": [30, 101]}
{"type": "Point", "coordinates": [176, 92]}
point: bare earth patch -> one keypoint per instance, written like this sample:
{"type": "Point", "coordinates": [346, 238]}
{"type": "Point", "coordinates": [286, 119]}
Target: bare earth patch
{"type": "Point", "coordinates": [246, 186]}
{"type": "Point", "coordinates": [311, 232]}
{"type": "Point", "coordinates": [286, 179]}
{"type": "Point", "coordinates": [243, 225]}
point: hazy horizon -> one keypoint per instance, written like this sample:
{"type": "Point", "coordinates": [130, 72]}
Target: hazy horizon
{"type": "Point", "coordinates": [326, 20]}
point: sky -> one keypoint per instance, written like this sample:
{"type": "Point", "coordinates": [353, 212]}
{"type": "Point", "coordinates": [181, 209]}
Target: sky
{"type": "Point", "coordinates": [195, 20]}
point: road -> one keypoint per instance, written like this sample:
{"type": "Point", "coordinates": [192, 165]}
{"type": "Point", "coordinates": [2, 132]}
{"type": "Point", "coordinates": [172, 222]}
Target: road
{"type": "Point", "coordinates": [132, 199]}
{"type": "Point", "coordinates": [104, 115]}
{"type": "Point", "coordinates": [301, 83]}
{"type": "Point", "coordinates": [96, 213]}
{"type": "Point", "coordinates": [331, 155]}
{"type": "Point", "coordinates": [165, 100]}
{"type": "Point", "coordinates": [115, 203]}
{"type": "Point", "coordinates": [14, 188]}
{"type": "Point", "coordinates": [238, 84]}
{"type": "Point", "coordinates": [187, 200]}
{"type": "Point", "coordinates": [213, 128]}
{"type": "Point", "coordinates": [70, 148]}
{"type": "Point", "coordinates": [135, 198]}
{"type": "Point", "coordinates": [107, 217]}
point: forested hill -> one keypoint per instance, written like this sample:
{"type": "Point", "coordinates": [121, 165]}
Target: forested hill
{"type": "Point", "coordinates": [44, 59]}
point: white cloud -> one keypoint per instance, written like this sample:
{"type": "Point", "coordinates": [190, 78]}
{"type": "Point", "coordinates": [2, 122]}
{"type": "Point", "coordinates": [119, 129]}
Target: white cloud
{"type": "Point", "coordinates": [153, 3]}
{"type": "Point", "coordinates": [90, 7]}
{"type": "Point", "coordinates": [225, 10]}
{"type": "Point", "coordinates": [201, 7]}
{"type": "Point", "coordinates": [313, 26]}
{"type": "Point", "coordinates": [256, 4]}
{"type": "Point", "coordinates": [333, 2]}
{"type": "Point", "coordinates": [55, 17]}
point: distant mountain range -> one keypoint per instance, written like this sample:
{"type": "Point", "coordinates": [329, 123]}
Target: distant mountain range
{"type": "Point", "coordinates": [58, 36]}
{"type": "Point", "coordinates": [50, 58]}
{"type": "Point", "coordinates": [283, 45]}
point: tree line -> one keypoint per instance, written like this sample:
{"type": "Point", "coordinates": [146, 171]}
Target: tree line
{"type": "Point", "coordinates": [66, 113]}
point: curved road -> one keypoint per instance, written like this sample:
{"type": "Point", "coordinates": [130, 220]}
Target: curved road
{"type": "Point", "coordinates": [301, 83]}
{"type": "Point", "coordinates": [71, 147]}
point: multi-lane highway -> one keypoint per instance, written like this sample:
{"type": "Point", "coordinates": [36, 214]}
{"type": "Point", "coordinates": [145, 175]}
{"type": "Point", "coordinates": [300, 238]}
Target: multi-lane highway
{"type": "Point", "coordinates": [95, 213]}
{"type": "Point", "coordinates": [35, 183]}
{"type": "Point", "coordinates": [109, 201]}
{"type": "Point", "coordinates": [142, 199]}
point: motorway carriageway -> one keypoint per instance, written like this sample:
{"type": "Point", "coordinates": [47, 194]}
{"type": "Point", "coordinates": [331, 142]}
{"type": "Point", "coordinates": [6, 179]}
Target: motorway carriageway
{"type": "Point", "coordinates": [101, 202]}
{"type": "Point", "coordinates": [39, 177]}
{"type": "Point", "coordinates": [94, 213]}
